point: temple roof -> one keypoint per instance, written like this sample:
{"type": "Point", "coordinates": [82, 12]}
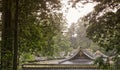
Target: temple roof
{"type": "Point", "coordinates": [81, 56]}
{"type": "Point", "coordinates": [99, 54]}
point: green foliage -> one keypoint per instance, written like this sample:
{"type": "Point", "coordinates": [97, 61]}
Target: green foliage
{"type": "Point", "coordinates": [40, 28]}
{"type": "Point", "coordinates": [38, 25]}
{"type": "Point", "coordinates": [117, 62]}
{"type": "Point", "coordinates": [26, 57]}
{"type": "Point", "coordinates": [104, 25]}
{"type": "Point", "coordinates": [61, 44]}
{"type": "Point", "coordinates": [100, 62]}
{"type": "Point", "coordinates": [105, 31]}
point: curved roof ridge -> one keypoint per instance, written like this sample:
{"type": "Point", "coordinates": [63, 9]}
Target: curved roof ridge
{"type": "Point", "coordinates": [77, 53]}
{"type": "Point", "coordinates": [100, 53]}
{"type": "Point", "coordinates": [87, 54]}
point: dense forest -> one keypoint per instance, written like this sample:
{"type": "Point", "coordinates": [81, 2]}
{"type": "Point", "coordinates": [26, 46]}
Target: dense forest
{"type": "Point", "coordinates": [38, 28]}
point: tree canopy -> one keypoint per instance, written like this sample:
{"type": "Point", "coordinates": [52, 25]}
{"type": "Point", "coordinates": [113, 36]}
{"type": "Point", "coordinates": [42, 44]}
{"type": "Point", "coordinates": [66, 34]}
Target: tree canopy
{"type": "Point", "coordinates": [104, 25]}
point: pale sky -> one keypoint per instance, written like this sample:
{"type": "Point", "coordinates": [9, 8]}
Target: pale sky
{"type": "Point", "coordinates": [73, 14]}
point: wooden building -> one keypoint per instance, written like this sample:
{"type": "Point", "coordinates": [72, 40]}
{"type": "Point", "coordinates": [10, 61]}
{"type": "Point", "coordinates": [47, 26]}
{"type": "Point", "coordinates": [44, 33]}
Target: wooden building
{"type": "Point", "coordinates": [80, 60]}
{"type": "Point", "coordinates": [82, 56]}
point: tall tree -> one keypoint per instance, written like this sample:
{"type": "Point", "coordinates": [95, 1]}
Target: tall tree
{"type": "Point", "coordinates": [8, 35]}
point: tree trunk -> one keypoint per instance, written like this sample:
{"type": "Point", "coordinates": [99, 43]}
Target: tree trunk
{"type": "Point", "coordinates": [15, 59]}
{"type": "Point", "coordinates": [9, 35]}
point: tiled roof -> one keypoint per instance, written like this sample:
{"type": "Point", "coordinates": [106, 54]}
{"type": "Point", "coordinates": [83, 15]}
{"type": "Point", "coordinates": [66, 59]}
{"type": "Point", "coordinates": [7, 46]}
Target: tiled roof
{"type": "Point", "coordinates": [76, 57]}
